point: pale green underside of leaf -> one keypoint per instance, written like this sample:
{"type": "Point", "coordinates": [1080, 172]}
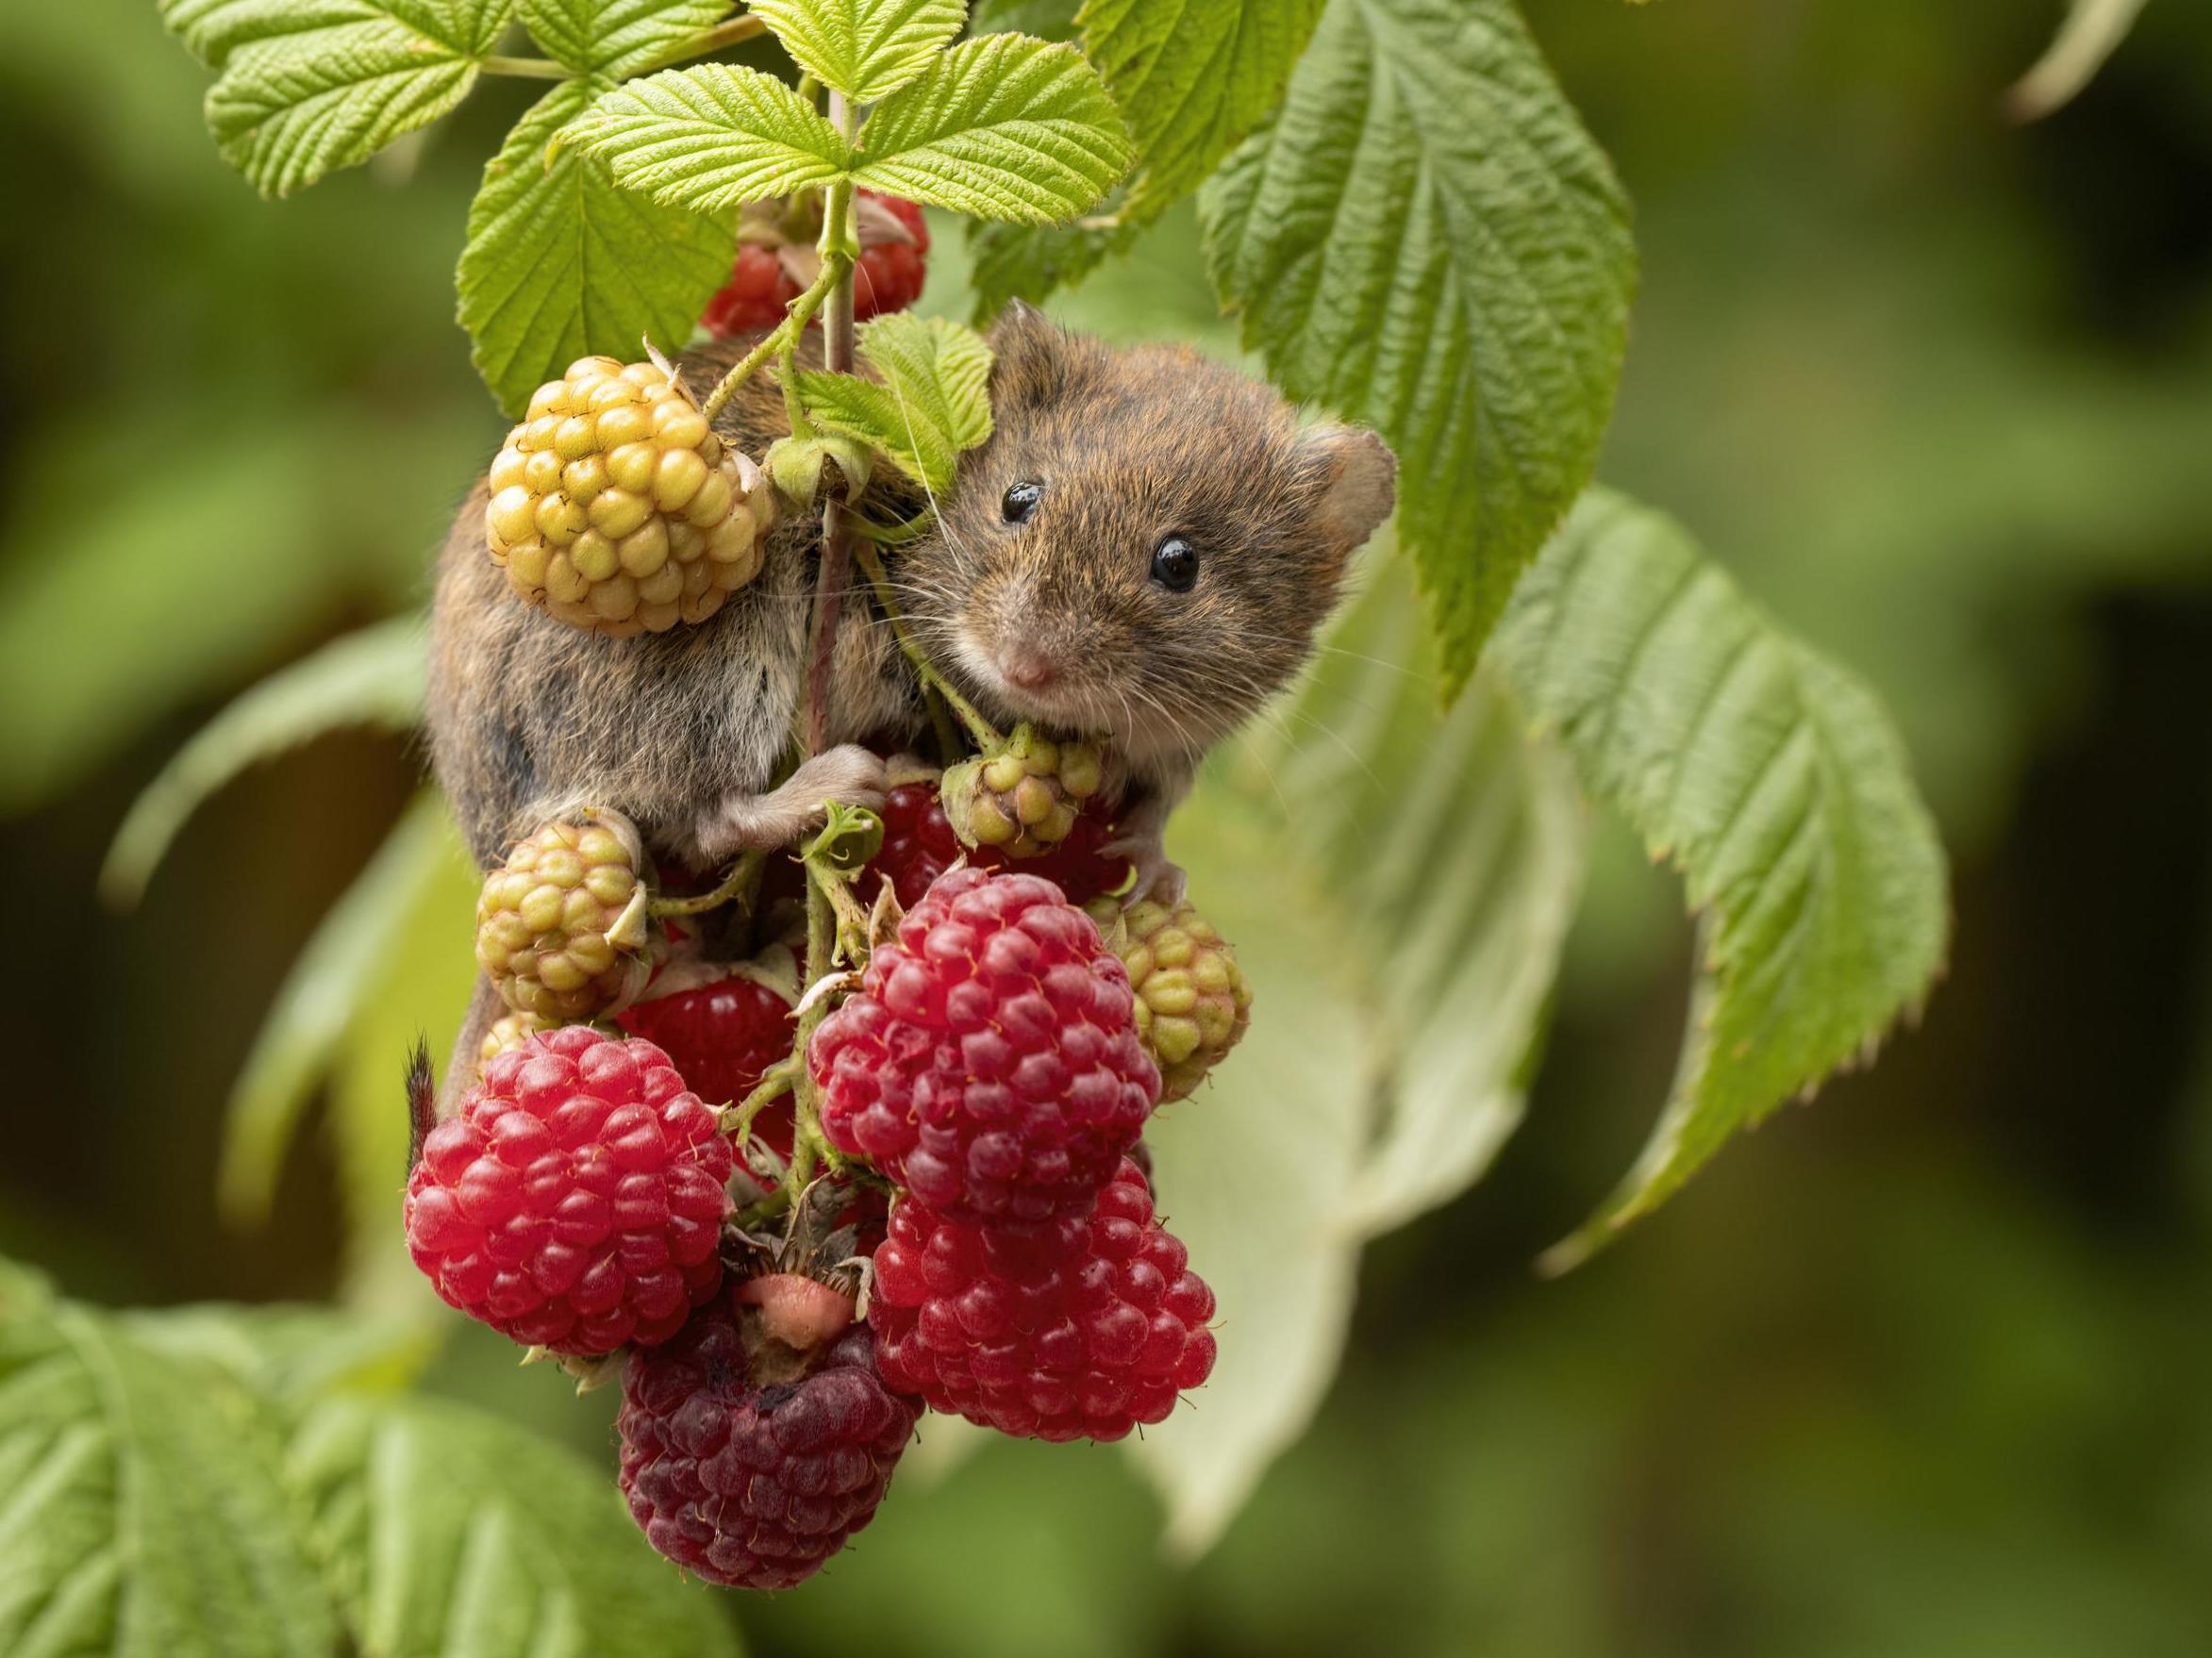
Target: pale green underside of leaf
{"type": "Point", "coordinates": [1398, 884]}
{"type": "Point", "coordinates": [930, 399]}
{"type": "Point", "coordinates": [1425, 238]}
{"type": "Point", "coordinates": [140, 1514]}
{"type": "Point", "coordinates": [372, 677]}
{"type": "Point", "coordinates": [307, 90]}
{"type": "Point", "coordinates": [472, 1536]}
{"type": "Point", "coordinates": [559, 263]}
{"type": "Point", "coordinates": [710, 137]}
{"type": "Point", "coordinates": [1002, 127]}
{"type": "Point", "coordinates": [1773, 779]}
{"type": "Point", "coordinates": [863, 48]}
{"type": "Point", "coordinates": [613, 38]}
{"type": "Point", "coordinates": [317, 1002]}
{"type": "Point", "coordinates": [1193, 77]}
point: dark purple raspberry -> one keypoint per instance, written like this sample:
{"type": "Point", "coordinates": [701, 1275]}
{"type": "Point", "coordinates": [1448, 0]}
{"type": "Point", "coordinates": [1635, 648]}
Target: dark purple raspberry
{"type": "Point", "coordinates": [990, 1063]}
{"type": "Point", "coordinates": [748, 1463]}
{"type": "Point", "coordinates": [1082, 1329]}
{"type": "Point", "coordinates": [576, 1201]}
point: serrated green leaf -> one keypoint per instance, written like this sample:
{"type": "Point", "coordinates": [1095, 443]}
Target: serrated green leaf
{"type": "Point", "coordinates": [1048, 20]}
{"type": "Point", "coordinates": [863, 48]}
{"type": "Point", "coordinates": [1773, 779]}
{"type": "Point", "coordinates": [307, 90]}
{"type": "Point", "coordinates": [1029, 261]}
{"type": "Point", "coordinates": [1193, 79]}
{"type": "Point", "coordinates": [932, 399]}
{"type": "Point", "coordinates": [317, 1002]}
{"type": "Point", "coordinates": [1002, 127]}
{"type": "Point", "coordinates": [560, 263]}
{"type": "Point", "coordinates": [212, 27]}
{"type": "Point", "coordinates": [141, 1515]}
{"type": "Point", "coordinates": [1426, 239]}
{"type": "Point", "coordinates": [472, 1536]}
{"type": "Point", "coordinates": [1397, 883]}
{"type": "Point", "coordinates": [710, 137]}
{"type": "Point", "coordinates": [291, 1356]}
{"type": "Point", "coordinates": [614, 38]}
{"type": "Point", "coordinates": [372, 677]}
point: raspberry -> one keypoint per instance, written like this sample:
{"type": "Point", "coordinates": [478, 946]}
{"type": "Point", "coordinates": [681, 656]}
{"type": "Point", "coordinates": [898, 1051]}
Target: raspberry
{"type": "Point", "coordinates": [722, 1038]}
{"type": "Point", "coordinates": [752, 300]}
{"type": "Point", "coordinates": [614, 509]}
{"type": "Point", "coordinates": [576, 1201]}
{"type": "Point", "coordinates": [562, 929]}
{"type": "Point", "coordinates": [1025, 798]}
{"type": "Point", "coordinates": [1192, 999]}
{"type": "Point", "coordinates": [990, 1063]}
{"type": "Point", "coordinates": [1081, 1329]}
{"type": "Point", "coordinates": [751, 1465]}
{"type": "Point", "coordinates": [508, 1034]}
{"type": "Point", "coordinates": [893, 263]}
{"type": "Point", "coordinates": [919, 845]}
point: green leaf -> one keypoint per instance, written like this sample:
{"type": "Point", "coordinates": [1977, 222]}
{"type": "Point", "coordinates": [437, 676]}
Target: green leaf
{"type": "Point", "coordinates": [318, 1003]}
{"type": "Point", "coordinates": [141, 1513]}
{"type": "Point", "coordinates": [1029, 261]}
{"type": "Point", "coordinates": [472, 1536]}
{"type": "Point", "coordinates": [372, 677]}
{"type": "Point", "coordinates": [863, 48]}
{"type": "Point", "coordinates": [1397, 883]}
{"type": "Point", "coordinates": [931, 400]}
{"type": "Point", "coordinates": [2092, 33]}
{"type": "Point", "coordinates": [1002, 127]}
{"type": "Point", "coordinates": [614, 38]}
{"type": "Point", "coordinates": [710, 137]}
{"type": "Point", "coordinates": [292, 1356]}
{"type": "Point", "coordinates": [561, 264]}
{"type": "Point", "coordinates": [1193, 78]}
{"type": "Point", "coordinates": [1773, 779]}
{"type": "Point", "coordinates": [1426, 239]}
{"type": "Point", "coordinates": [309, 88]}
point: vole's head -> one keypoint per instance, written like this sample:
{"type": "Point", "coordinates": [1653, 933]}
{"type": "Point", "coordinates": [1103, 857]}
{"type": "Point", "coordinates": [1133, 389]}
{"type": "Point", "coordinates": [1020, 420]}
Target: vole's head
{"type": "Point", "coordinates": [1144, 547]}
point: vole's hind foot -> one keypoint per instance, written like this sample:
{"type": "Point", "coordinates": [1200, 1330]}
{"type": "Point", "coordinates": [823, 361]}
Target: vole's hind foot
{"type": "Point", "coordinates": [850, 775]}
{"type": "Point", "coordinates": [1158, 877]}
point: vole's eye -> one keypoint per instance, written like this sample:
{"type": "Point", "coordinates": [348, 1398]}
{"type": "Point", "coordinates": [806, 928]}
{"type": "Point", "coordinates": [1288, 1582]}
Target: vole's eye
{"type": "Point", "coordinates": [1022, 500]}
{"type": "Point", "coordinates": [1174, 565]}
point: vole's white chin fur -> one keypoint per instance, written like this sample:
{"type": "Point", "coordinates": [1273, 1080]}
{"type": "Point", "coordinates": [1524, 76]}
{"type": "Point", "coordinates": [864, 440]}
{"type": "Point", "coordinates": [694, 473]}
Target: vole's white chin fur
{"type": "Point", "coordinates": [1150, 747]}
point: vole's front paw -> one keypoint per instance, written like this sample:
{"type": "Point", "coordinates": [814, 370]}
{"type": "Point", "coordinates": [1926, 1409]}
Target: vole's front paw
{"type": "Point", "coordinates": [1158, 878]}
{"type": "Point", "coordinates": [850, 775]}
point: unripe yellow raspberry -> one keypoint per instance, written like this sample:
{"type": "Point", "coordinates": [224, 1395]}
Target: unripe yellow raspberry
{"type": "Point", "coordinates": [1024, 799]}
{"type": "Point", "coordinates": [615, 508]}
{"type": "Point", "coordinates": [563, 927]}
{"type": "Point", "coordinates": [1193, 1000]}
{"type": "Point", "coordinates": [510, 1033]}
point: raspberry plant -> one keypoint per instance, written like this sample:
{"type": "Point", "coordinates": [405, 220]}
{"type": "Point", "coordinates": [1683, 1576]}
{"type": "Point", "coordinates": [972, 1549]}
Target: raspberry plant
{"type": "Point", "coordinates": [1413, 228]}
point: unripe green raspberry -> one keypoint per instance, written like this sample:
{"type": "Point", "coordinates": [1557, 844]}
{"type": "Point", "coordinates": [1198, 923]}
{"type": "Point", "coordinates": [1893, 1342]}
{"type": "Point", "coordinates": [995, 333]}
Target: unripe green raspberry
{"type": "Point", "coordinates": [1192, 999]}
{"type": "Point", "coordinates": [1024, 799]}
{"type": "Point", "coordinates": [563, 928]}
{"type": "Point", "coordinates": [615, 508]}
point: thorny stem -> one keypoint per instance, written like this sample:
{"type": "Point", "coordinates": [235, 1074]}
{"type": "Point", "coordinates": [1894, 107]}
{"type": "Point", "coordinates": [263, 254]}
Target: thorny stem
{"type": "Point", "coordinates": [871, 564]}
{"type": "Point", "coordinates": [839, 242]}
{"type": "Point", "coordinates": [737, 1120]}
{"type": "Point", "coordinates": [782, 337]}
{"type": "Point", "coordinates": [738, 884]}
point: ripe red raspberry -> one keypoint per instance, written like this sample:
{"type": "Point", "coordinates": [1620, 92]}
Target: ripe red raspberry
{"type": "Point", "coordinates": [752, 300]}
{"type": "Point", "coordinates": [722, 1038]}
{"type": "Point", "coordinates": [1081, 1329]}
{"type": "Point", "coordinates": [576, 1202]}
{"type": "Point", "coordinates": [990, 1063]}
{"type": "Point", "coordinates": [751, 1465]}
{"type": "Point", "coordinates": [887, 277]}
{"type": "Point", "coordinates": [889, 274]}
{"type": "Point", "coordinates": [919, 845]}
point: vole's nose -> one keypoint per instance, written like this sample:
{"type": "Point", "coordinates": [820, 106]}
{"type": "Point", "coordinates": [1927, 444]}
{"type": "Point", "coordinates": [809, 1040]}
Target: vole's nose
{"type": "Point", "coordinates": [1026, 666]}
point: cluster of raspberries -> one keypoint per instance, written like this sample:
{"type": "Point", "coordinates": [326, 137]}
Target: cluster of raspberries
{"type": "Point", "coordinates": [995, 1068]}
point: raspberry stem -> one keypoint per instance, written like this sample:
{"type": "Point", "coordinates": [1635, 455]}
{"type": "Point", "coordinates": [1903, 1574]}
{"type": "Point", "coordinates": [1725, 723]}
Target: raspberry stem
{"type": "Point", "coordinates": [738, 884]}
{"type": "Point", "coordinates": [871, 564]}
{"type": "Point", "coordinates": [785, 334]}
{"type": "Point", "coordinates": [840, 245]}
{"type": "Point", "coordinates": [737, 1120]}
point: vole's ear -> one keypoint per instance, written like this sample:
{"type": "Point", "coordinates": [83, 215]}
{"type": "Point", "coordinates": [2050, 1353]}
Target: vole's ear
{"type": "Point", "coordinates": [1358, 480]}
{"type": "Point", "coordinates": [1032, 355]}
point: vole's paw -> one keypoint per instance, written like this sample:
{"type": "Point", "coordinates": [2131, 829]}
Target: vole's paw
{"type": "Point", "coordinates": [850, 775]}
{"type": "Point", "coordinates": [1158, 878]}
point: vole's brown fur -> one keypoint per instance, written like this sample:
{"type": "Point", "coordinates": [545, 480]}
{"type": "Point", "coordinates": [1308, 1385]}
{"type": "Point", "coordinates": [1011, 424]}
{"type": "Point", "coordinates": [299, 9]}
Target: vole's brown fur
{"type": "Point", "coordinates": [1056, 619]}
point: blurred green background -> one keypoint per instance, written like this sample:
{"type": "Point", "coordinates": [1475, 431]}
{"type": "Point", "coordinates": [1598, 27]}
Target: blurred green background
{"type": "Point", "coordinates": [1922, 1369]}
